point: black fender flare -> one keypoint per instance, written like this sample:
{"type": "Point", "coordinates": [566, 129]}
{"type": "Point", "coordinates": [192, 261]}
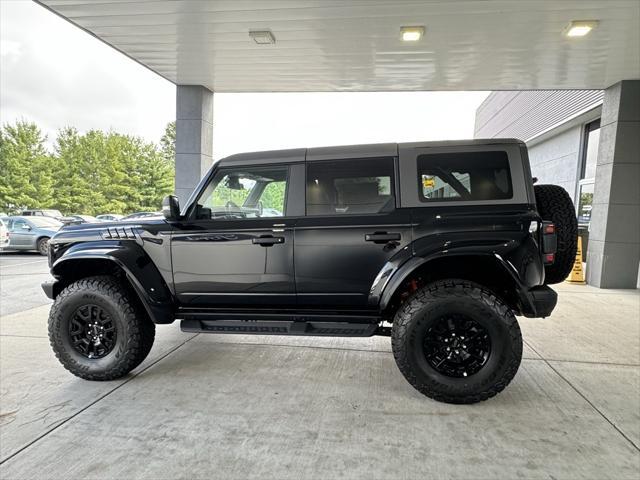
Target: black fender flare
{"type": "Point", "coordinates": [138, 267]}
{"type": "Point", "coordinates": [382, 293]}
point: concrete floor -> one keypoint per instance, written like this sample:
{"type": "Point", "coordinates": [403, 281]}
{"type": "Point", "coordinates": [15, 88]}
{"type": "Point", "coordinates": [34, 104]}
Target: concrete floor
{"type": "Point", "coordinates": [215, 406]}
{"type": "Point", "coordinates": [21, 274]}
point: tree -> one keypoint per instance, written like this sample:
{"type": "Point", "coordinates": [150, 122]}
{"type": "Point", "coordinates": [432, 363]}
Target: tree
{"type": "Point", "coordinates": [25, 168]}
{"type": "Point", "coordinates": [92, 173]}
{"type": "Point", "coordinates": [168, 143]}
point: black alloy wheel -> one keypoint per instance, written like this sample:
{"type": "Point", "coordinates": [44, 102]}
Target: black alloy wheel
{"type": "Point", "coordinates": [457, 346]}
{"type": "Point", "coordinates": [92, 331]}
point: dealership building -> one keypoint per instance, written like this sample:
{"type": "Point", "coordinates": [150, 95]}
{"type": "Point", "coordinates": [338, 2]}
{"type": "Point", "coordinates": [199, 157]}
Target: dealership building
{"type": "Point", "coordinates": [566, 77]}
{"type": "Point", "coordinates": [587, 142]}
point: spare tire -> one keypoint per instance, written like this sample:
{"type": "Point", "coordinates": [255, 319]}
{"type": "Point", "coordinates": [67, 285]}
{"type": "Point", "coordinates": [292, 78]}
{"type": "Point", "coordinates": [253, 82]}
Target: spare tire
{"type": "Point", "coordinates": [555, 205]}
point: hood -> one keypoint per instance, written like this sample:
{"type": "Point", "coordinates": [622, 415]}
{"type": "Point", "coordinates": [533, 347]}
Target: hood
{"type": "Point", "coordinates": [83, 232]}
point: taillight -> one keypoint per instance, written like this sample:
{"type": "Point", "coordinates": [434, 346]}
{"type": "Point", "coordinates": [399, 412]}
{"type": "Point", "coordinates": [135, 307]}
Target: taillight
{"type": "Point", "coordinates": [549, 242]}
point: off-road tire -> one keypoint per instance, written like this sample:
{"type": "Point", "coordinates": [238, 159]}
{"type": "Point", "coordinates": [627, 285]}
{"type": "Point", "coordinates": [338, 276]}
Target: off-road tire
{"type": "Point", "coordinates": [135, 331]}
{"type": "Point", "coordinates": [43, 246]}
{"type": "Point", "coordinates": [426, 307]}
{"type": "Point", "coordinates": [555, 205]}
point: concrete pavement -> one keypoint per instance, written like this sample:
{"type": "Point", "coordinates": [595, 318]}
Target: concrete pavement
{"type": "Point", "coordinates": [21, 274]}
{"type": "Point", "coordinates": [205, 406]}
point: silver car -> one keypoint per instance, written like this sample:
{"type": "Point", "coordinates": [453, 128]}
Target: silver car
{"type": "Point", "coordinates": [31, 233]}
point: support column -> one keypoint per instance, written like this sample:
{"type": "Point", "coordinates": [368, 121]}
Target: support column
{"type": "Point", "coordinates": [613, 256]}
{"type": "Point", "coordinates": [194, 137]}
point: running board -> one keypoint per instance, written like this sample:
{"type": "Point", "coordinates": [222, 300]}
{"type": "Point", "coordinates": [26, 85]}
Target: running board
{"type": "Point", "coordinates": [280, 327]}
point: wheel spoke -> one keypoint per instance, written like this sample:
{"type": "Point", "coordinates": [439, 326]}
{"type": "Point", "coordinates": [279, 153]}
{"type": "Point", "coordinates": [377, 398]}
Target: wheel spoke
{"type": "Point", "coordinates": [457, 346]}
{"type": "Point", "coordinates": [92, 331]}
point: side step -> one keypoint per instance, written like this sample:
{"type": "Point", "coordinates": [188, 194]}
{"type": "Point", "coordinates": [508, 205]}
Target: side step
{"type": "Point", "coordinates": [280, 327]}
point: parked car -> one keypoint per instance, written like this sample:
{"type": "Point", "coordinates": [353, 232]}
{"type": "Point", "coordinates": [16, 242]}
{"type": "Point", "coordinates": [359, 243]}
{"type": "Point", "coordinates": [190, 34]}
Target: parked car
{"type": "Point", "coordinates": [138, 215]}
{"type": "Point", "coordinates": [447, 241]}
{"type": "Point", "coordinates": [49, 213]}
{"type": "Point", "coordinates": [110, 217]}
{"type": "Point", "coordinates": [83, 219]}
{"type": "Point", "coordinates": [4, 235]}
{"type": "Point", "coordinates": [31, 233]}
{"type": "Point", "coordinates": [42, 213]}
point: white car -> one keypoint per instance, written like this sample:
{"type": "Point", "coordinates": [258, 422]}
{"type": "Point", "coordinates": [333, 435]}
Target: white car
{"type": "Point", "coordinates": [4, 235]}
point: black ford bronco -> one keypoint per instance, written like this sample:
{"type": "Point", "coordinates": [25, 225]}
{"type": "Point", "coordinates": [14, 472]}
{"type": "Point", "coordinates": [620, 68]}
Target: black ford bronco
{"type": "Point", "coordinates": [438, 245]}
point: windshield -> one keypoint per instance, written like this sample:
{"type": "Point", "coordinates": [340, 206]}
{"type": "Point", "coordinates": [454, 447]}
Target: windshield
{"type": "Point", "coordinates": [44, 222]}
{"type": "Point", "coordinates": [52, 213]}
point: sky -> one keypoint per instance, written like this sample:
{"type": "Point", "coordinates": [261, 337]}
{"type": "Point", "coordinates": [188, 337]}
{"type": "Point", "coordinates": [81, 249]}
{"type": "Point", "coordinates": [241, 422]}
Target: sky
{"type": "Point", "coordinates": [56, 75]}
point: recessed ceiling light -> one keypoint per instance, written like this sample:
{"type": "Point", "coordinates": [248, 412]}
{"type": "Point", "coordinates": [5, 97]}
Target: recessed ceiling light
{"type": "Point", "coordinates": [579, 28]}
{"type": "Point", "coordinates": [262, 37]}
{"type": "Point", "coordinates": [411, 34]}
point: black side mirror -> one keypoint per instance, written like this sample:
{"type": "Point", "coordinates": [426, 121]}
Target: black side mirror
{"type": "Point", "coordinates": [171, 208]}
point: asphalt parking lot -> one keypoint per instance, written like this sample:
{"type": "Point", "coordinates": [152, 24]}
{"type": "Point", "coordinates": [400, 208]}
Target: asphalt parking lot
{"type": "Point", "coordinates": [216, 406]}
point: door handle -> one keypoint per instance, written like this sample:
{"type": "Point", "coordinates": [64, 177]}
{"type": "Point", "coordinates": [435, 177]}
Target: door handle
{"type": "Point", "coordinates": [382, 237]}
{"type": "Point", "coordinates": [267, 241]}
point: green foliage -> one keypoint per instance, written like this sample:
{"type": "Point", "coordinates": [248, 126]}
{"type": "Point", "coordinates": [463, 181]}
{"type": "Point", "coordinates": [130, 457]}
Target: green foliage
{"type": "Point", "coordinates": [25, 168]}
{"type": "Point", "coordinates": [93, 173]}
{"type": "Point", "coordinates": [168, 143]}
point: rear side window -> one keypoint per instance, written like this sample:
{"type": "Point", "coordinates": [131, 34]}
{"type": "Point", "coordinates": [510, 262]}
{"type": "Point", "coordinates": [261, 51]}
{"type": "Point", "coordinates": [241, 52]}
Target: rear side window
{"type": "Point", "coordinates": [468, 176]}
{"type": "Point", "coordinates": [350, 187]}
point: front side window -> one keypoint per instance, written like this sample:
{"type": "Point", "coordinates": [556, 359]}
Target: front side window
{"type": "Point", "coordinates": [244, 193]}
{"type": "Point", "coordinates": [350, 187]}
{"type": "Point", "coordinates": [18, 224]}
{"type": "Point", "coordinates": [472, 176]}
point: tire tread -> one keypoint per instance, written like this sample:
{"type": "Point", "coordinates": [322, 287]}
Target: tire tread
{"type": "Point", "coordinates": [447, 289]}
{"type": "Point", "coordinates": [138, 343]}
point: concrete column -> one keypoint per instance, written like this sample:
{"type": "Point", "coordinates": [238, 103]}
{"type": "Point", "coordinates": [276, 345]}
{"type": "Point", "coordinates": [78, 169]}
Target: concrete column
{"type": "Point", "coordinates": [194, 136]}
{"type": "Point", "coordinates": [613, 256]}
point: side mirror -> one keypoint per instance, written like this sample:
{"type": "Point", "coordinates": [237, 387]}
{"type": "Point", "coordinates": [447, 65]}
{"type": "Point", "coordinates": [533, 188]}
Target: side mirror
{"type": "Point", "coordinates": [171, 208]}
{"type": "Point", "coordinates": [26, 227]}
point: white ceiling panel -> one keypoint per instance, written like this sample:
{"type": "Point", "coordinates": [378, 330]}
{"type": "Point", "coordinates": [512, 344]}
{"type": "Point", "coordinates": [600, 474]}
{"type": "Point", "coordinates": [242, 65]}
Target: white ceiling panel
{"type": "Point", "coordinates": [354, 45]}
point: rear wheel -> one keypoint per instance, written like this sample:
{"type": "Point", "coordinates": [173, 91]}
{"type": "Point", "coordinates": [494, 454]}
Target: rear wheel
{"type": "Point", "coordinates": [456, 342]}
{"type": "Point", "coordinates": [98, 331]}
{"type": "Point", "coordinates": [43, 246]}
{"type": "Point", "coordinates": [555, 205]}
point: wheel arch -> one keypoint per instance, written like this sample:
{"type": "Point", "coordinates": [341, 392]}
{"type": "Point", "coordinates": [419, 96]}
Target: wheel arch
{"type": "Point", "coordinates": [488, 270]}
{"type": "Point", "coordinates": [139, 275]}
{"type": "Point", "coordinates": [40, 237]}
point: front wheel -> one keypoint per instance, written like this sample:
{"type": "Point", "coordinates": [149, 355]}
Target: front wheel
{"type": "Point", "coordinates": [456, 342]}
{"type": "Point", "coordinates": [98, 331]}
{"type": "Point", "coordinates": [43, 246]}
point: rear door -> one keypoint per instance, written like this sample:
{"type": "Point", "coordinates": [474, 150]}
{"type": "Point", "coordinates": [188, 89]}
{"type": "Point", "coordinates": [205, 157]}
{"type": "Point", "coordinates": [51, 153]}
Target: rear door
{"type": "Point", "coordinates": [352, 227]}
{"type": "Point", "coordinates": [237, 247]}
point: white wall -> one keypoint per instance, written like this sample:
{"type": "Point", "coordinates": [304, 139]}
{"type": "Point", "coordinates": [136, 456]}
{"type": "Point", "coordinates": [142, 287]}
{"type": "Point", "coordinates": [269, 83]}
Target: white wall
{"type": "Point", "coordinates": [556, 159]}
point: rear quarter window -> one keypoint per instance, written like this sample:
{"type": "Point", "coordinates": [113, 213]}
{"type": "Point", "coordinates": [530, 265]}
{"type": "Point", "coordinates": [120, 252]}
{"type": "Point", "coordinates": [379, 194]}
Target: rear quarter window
{"type": "Point", "coordinates": [467, 176]}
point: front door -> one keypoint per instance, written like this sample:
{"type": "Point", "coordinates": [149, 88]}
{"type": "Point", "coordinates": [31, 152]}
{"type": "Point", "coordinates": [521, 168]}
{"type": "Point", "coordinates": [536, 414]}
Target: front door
{"type": "Point", "coordinates": [21, 233]}
{"type": "Point", "coordinates": [351, 229]}
{"type": "Point", "coordinates": [237, 247]}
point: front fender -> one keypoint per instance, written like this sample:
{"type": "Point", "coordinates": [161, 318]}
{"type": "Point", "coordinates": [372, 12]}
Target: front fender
{"type": "Point", "coordinates": [138, 267]}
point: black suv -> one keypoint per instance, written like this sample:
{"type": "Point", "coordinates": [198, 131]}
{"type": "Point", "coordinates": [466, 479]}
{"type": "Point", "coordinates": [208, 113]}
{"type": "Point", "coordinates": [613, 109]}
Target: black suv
{"type": "Point", "coordinates": [437, 245]}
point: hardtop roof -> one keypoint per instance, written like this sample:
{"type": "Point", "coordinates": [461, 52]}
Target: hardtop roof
{"type": "Point", "coordinates": [350, 151]}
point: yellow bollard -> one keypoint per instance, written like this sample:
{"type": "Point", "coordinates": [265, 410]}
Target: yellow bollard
{"type": "Point", "coordinates": [577, 273]}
